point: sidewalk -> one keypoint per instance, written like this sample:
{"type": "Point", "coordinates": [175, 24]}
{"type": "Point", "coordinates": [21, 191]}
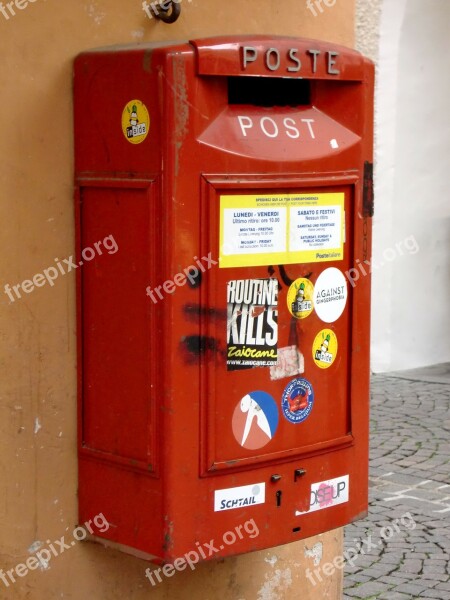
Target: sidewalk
{"type": "Point", "coordinates": [409, 473]}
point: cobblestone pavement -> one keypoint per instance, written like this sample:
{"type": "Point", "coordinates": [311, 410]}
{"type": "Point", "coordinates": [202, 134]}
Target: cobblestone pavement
{"type": "Point", "coordinates": [405, 541]}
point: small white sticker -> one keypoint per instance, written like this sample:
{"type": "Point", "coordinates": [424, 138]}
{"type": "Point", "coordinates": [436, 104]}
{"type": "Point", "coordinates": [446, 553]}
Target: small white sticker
{"type": "Point", "coordinates": [326, 494]}
{"type": "Point", "coordinates": [239, 497]}
{"type": "Point", "coordinates": [330, 295]}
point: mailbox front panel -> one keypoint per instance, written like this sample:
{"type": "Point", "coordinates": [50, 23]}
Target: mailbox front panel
{"type": "Point", "coordinates": [279, 340]}
{"type": "Point", "coordinates": [224, 356]}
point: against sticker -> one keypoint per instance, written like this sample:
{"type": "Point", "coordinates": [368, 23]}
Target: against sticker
{"type": "Point", "coordinates": [330, 295]}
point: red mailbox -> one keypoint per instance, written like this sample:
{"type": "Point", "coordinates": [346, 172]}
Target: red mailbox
{"type": "Point", "coordinates": [224, 348]}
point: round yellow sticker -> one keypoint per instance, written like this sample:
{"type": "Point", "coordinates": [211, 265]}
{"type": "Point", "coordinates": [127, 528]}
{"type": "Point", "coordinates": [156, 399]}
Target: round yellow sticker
{"type": "Point", "coordinates": [135, 122]}
{"type": "Point", "coordinates": [300, 298]}
{"type": "Point", "coordinates": [325, 348]}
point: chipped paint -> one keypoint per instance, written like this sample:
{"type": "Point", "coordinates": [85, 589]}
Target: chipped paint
{"type": "Point", "coordinates": [168, 534]}
{"type": "Point", "coordinates": [276, 585]}
{"type": "Point", "coordinates": [37, 425]}
{"type": "Point", "coordinates": [35, 547]}
{"type": "Point", "coordinates": [93, 12]}
{"type": "Point", "coordinates": [43, 563]}
{"type": "Point", "coordinates": [181, 106]}
{"type": "Point", "coordinates": [316, 553]}
{"type": "Point", "coordinates": [272, 560]}
{"type": "Point", "coordinates": [137, 34]}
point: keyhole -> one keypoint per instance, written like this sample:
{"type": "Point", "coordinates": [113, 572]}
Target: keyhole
{"type": "Point", "coordinates": [278, 495]}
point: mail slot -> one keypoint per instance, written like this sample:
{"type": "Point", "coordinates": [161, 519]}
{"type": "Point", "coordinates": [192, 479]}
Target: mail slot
{"type": "Point", "coordinates": [223, 350]}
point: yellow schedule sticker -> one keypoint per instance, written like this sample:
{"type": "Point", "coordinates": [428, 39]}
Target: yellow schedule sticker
{"type": "Point", "coordinates": [325, 348]}
{"type": "Point", "coordinates": [258, 230]}
{"type": "Point", "coordinates": [300, 298]}
{"type": "Point", "coordinates": [135, 122]}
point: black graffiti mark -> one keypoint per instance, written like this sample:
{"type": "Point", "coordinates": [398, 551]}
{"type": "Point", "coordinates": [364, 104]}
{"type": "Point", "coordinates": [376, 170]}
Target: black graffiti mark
{"type": "Point", "coordinates": [294, 337]}
{"type": "Point", "coordinates": [199, 344]}
{"type": "Point", "coordinates": [193, 311]}
{"type": "Point", "coordinates": [194, 278]}
{"type": "Point", "coordinates": [271, 271]}
{"type": "Point", "coordinates": [284, 276]}
{"type": "Point", "coordinates": [201, 347]}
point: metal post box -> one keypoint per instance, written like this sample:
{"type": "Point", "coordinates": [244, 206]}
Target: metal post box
{"type": "Point", "coordinates": [224, 348]}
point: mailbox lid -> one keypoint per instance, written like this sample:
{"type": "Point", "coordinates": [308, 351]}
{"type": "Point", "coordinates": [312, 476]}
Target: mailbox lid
{"type": "Point", "coordinates": [277, 56]}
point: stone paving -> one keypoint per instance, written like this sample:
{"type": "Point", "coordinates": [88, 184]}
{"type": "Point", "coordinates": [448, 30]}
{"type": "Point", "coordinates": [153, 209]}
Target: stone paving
{"type": "Point", "coordinates": [405, 541]}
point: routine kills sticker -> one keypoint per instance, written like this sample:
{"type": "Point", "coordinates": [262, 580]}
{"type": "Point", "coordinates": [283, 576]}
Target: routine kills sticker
{"type": "Point", "coordinates": [297, 401]}
{"type": "Point", "coordinates": [135, 121]}
{"type": "Point", "coordinates": [255, 420]}
{"type": "Point", "coordinates": [300, 298]}
{"type": "Point", "coordinates": [330, 295]}
{"type": "Point", "coordinates": [325, 348]}
{"type": "Point", "coordinates": [252, 323]}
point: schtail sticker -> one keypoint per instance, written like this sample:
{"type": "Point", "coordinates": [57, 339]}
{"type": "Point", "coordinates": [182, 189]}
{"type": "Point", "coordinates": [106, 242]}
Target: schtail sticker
{"type": "Point", "coordinates": [239, 497]}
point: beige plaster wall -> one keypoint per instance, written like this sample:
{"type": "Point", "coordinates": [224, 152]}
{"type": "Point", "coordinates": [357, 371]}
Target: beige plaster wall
{"type": "Point", "coordinates": [38, 482]}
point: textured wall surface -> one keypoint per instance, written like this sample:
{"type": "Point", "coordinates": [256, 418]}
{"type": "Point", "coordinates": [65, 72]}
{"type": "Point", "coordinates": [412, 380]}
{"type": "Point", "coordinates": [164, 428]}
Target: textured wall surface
{"type": "Point", "coordinates": [368, 14]}
{"type": "Point", "coordinates": [38, 495]}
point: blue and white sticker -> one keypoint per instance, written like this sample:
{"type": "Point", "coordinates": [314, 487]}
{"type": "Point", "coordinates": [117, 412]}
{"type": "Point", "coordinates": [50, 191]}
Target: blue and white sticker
{"type": "Point", "coordinates": [297, 401]}
{"type": "Point", "coordinates": [255, 420]}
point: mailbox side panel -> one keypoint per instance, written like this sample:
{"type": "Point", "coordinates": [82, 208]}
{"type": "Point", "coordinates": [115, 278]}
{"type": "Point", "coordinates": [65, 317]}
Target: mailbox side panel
{"type": "Point", "coordinates": [120, 344]}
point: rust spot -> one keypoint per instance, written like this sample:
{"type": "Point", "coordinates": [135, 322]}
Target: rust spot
{"type": "Point", "coordinates": [168, 535]}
